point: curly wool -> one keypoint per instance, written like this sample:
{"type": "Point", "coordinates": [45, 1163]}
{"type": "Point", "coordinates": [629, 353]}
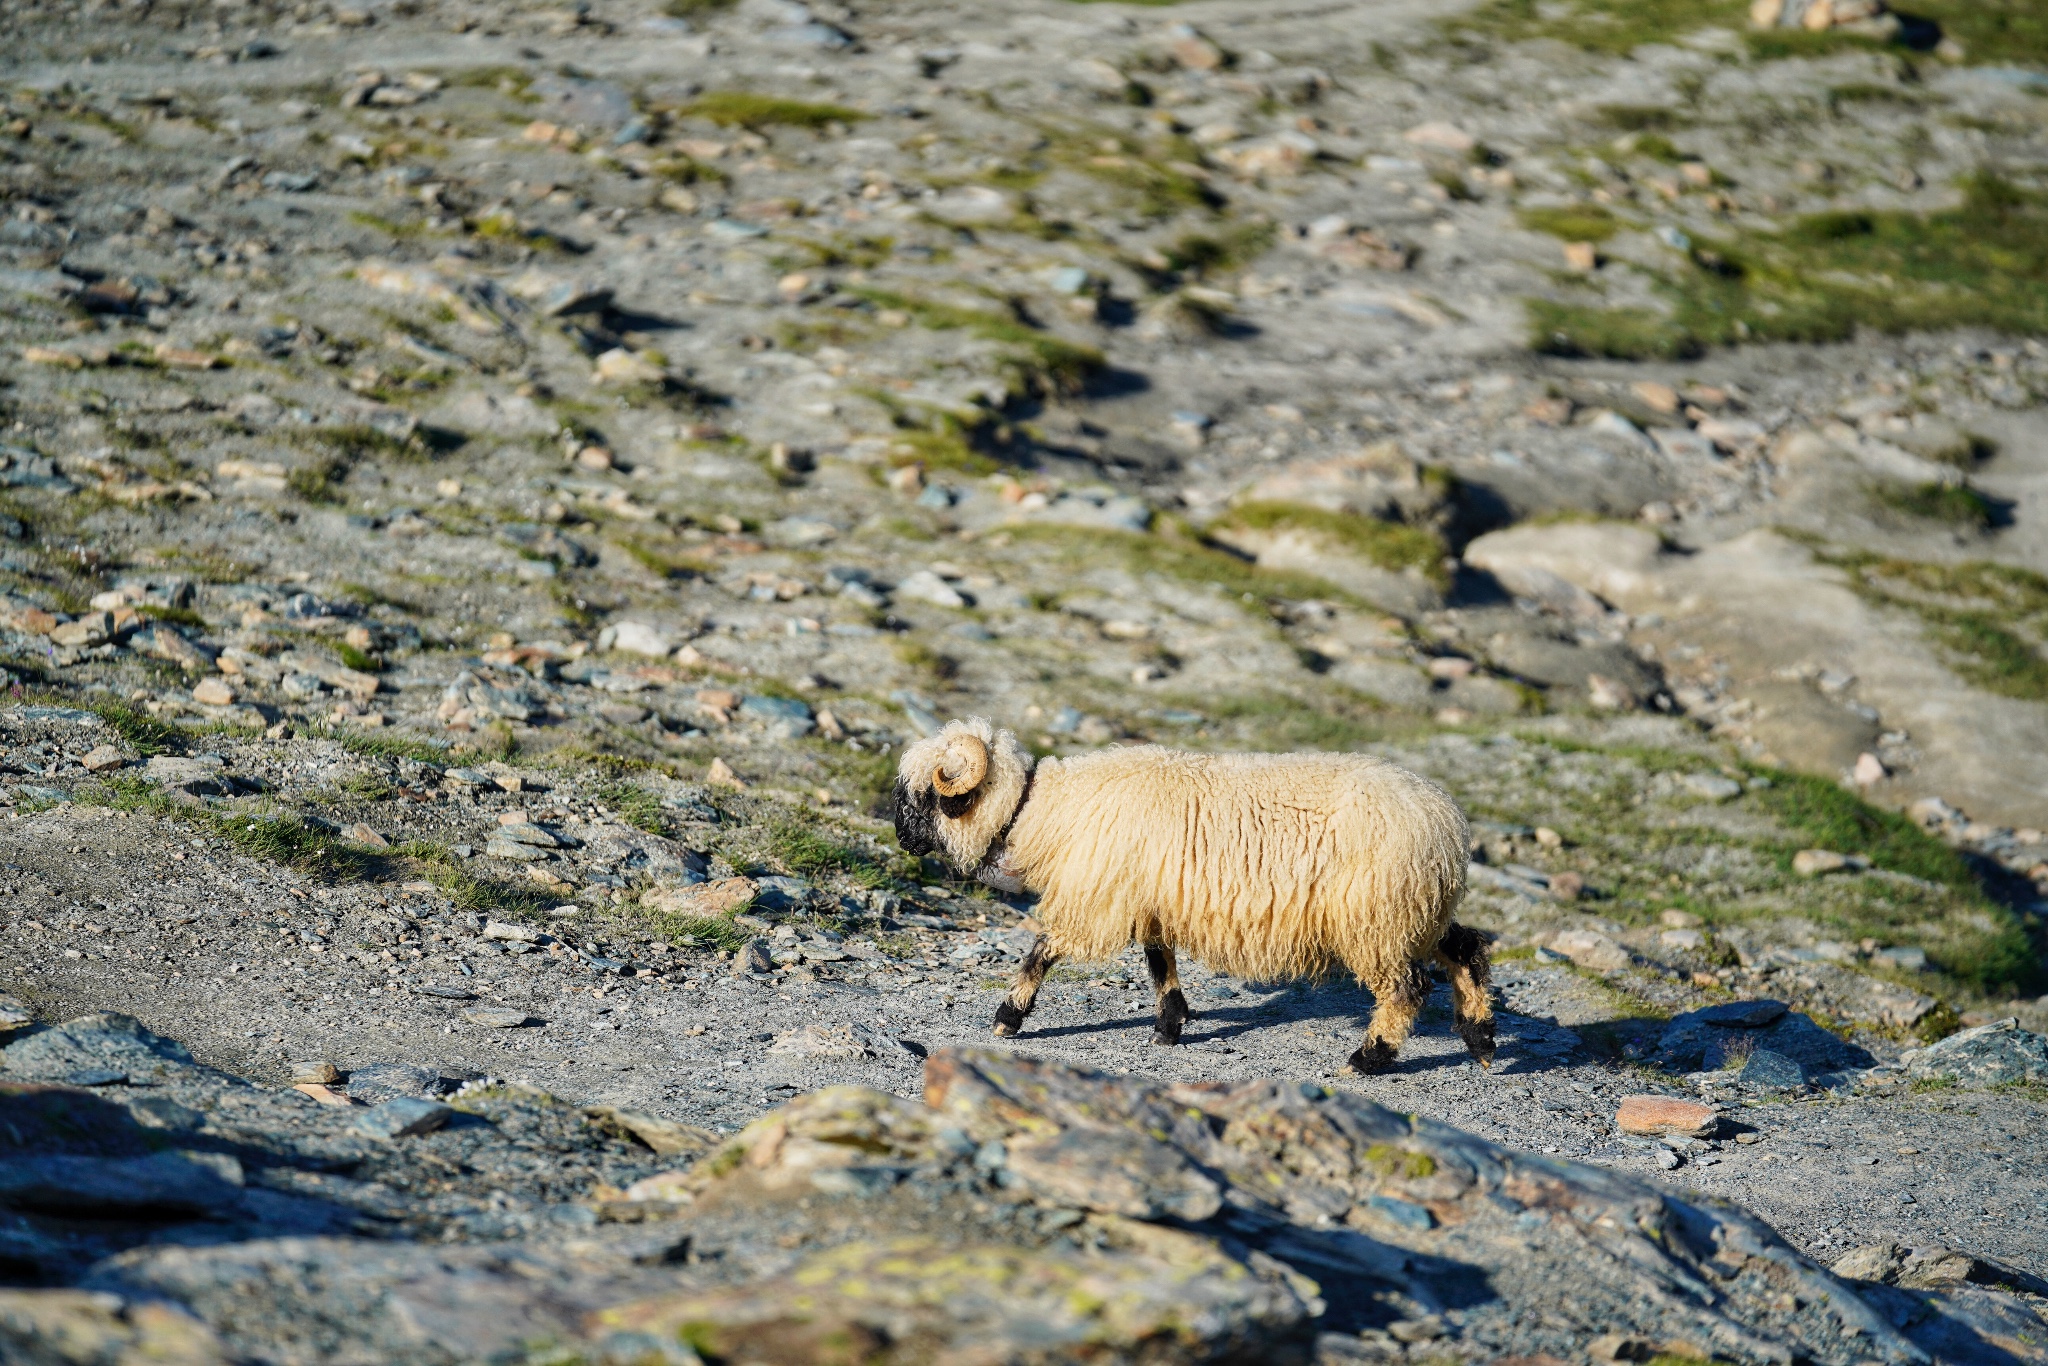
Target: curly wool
{"type": "Point", "coordinates": [1265, 867]}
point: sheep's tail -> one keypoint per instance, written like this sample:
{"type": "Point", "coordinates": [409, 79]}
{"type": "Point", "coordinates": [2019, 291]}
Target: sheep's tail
{"type": "Point", "coordinates": [1462, 953]}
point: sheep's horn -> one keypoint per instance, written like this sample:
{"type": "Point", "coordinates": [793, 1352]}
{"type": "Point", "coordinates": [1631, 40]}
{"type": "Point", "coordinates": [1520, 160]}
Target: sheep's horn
{"type": "Point", "coordinates": [963, 767]}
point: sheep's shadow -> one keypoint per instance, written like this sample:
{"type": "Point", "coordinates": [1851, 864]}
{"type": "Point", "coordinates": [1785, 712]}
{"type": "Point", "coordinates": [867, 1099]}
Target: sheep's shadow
{"type": "Point", "coordinates": [1344, 1009]}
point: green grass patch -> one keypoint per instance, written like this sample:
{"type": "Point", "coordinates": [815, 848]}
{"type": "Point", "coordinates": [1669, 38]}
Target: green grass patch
{"type": "Point", "coordinates": [1175, 552]}
{"type": "Point", "coordinates": [360, 660]}
{"type": "Point", "coordinates": [1056, 365]}
{"type": "Point", "coordinates": [810, 851]}
{"type": "Point", "coordinates": [636, 806]}
{"type": "Point", "coordinates": [1286, 723]}
{"type": "Point", "coordinates": [1205, 254]}
{"type": "Point", "coordinates": [372, 745]}
{"type": "Point", "coordinates": [745, 109]}
{"type": "Point", "coordinates": [1573, 223]}
{"type": "Point", "coordinates": [1389, 545]}
{"type": "Point", "coordinates": [1610, 26]}
{"type": "Point", "coordinates": [1956, 504]}
{"type": "Point", "coordinates": [1562, 329]}
{"type": "Point", "coordinates": [1990, 619]}
{"type": "Point", "coordinates": [145, 734]}
{"type": "Point", "coordinates": [2004, 32]}
{"type": "Point", "coordinates": [1823, 815]}
{"type": "Point", "coordinates": [320, 482]}
{"type": "Point", "coordinates": [944, 446]}
{"type": "Point", "coordinates": [467, 890]}
{"type": "Point", "coordinates": [1981, 264]}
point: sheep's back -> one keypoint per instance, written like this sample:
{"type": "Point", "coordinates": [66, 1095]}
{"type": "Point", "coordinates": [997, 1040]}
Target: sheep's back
{"type": "Point", "coordinates": [1263, 866]}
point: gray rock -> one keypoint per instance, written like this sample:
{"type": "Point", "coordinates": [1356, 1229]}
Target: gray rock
{"type": "Point", "coordinates": [754, 956]}
{"type": "Point", "coordinates": [405, 1117]}
{"type": "Point", "coordinates": [158, 1184]}
{"type": "Point", "coordinates": [91, 1043]}
{"type": "Point", "coordinates": [202, 775]}
{"type": "Point", "coordinates": [2000, 1053]}
{"type": "Point", "coordinates": [1720, 1036]}
{"type": "Point", "coordinates": [382, 1081]}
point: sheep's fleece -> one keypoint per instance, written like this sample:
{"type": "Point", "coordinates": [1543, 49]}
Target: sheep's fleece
{"type": "Point", "coordinates": [1263, 866]}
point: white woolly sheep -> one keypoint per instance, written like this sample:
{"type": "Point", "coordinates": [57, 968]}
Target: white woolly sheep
{"type": "Point", "coordinates": [1263, 866]}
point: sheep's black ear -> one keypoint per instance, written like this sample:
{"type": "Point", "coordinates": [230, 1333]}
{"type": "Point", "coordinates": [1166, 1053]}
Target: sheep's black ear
{"type": "Point", "coordinates": [958, 806]}
{"type": "Point", "coordinates": [915, 831]}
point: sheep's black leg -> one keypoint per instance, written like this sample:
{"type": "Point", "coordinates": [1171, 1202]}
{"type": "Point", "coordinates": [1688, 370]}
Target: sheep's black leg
{"type": "Point", "coordinates": [1463, 954]}
{"type": "Point", "coordinates": [1399, 1000]}
{"type": "Point", "coordinates": [1010, 1014]}
{"type": "Point", "coordinates": [1173, 1006]}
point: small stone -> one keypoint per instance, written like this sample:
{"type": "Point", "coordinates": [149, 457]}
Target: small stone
{"type": "Point", "coordinates": [497, 1017]}
{"type": "Point", "coordinates": [639, 638]}
{"type": "Point", "coordinates": [406, 1117]}
{"type": "Point", "coordinates": [1444, 136]}
{"type": "Point", "coordinates": [1818, 862]}
{"type": "Point", "coordinates": [620, 366]}
{"type": "Point", "coordinates": [1665, 1115]}
{"type": "Point", "coordinates": [213, 692]}
{"type": "Point", "coordinates": [1748, 1137]}
{"type": "Point", "coordinates": [754, 956]}
{"type": "Point", "coordinates": [1582, 257]}
{"type": "Point", "coordinates": [720, 774]}
{"type": "Point", "coordinates": [510, 933]}
{"type": "Point", "coordinates": [926, 586]}
{"type": "Point", "coordinates": [323, 1095]}
{"type": "Point", "coordinates": [1678, 920]}
{"type": "Point", "coordinates": [364, 835]}
{"type": "Point", "coordinates": [1682, 939]}
{"type": "Point", "coordinates": [1591, 949]}
{"type": "Point", "coordinates": [1658, 398]}
{"type": "Point", "coordinates": [1668, 1159]}
{"type": "Point", "coordinates": [1712, 786]}
{"type": "Point", "coordinates": [323, 1073]}
{"type": "Point", "coordinates": [202, 776]}
{"type": "Point", "coordinates": [1869, 770]}
{"type": "Point", "coordinates": [1549, 838]}
{"type": "Point", "coordinates": [104, 759]}
{"type": "Point", "coordinates": [1426, 1329]}
{"type": "Point", "coordinates": [1904, 959]}
{"type": "Point", "coordinates": [1567, 886]}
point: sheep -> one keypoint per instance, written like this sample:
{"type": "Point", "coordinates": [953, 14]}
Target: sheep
{"type": "Point", "coordinates": [1263, 866]}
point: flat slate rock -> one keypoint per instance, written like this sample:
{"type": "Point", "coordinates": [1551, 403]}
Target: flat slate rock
{"type": "Point", "coordinates": [94, 1044]}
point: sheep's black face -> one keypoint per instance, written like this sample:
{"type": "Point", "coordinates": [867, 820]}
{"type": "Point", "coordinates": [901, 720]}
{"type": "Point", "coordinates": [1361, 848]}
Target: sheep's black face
{"type": "Point", "coordinates": [916, 832]}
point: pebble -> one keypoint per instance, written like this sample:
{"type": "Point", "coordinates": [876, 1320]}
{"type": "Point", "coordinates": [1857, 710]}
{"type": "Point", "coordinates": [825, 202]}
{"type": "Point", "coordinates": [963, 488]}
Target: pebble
{"type": "Point", "coordinates": [516, 934]}
{"type": "Point", "coordinates": [1818, 862]}
{"type": "Point", "coordinates": [322, 1073]}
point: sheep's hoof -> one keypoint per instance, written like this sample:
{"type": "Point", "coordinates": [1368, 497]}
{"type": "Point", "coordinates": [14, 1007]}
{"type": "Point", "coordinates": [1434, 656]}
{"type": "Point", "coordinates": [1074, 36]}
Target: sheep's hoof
{"type": "Point", "coordinates": [1009, 1021]}
{"type": "Point", "coordinates": [1370, 1060]}
{"type": "Point", "coordinates": [1478, 1037]}
{"type": "Point", "coordinates": [1162, 1039]}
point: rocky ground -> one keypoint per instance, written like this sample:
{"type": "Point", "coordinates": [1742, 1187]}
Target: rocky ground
{"type": "Point", "coordinates": [488, 491]}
